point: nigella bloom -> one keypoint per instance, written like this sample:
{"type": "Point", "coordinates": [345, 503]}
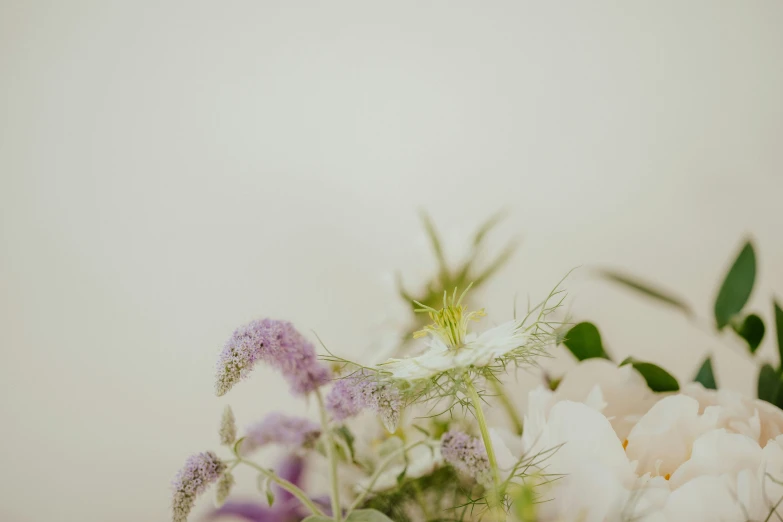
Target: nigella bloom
{"type": "Point", "coordinates": [192, 480]}
{"type": "Point", "coordinates": [282, 429]}
{"type": "Point", "coordinates": [450, 346]}
{"type": "Point", "coordinates": [466, 454]}
{"type": "Point", "coordinates": [360, 391]}
{"type": "Point", "coordinates": [278, 344]}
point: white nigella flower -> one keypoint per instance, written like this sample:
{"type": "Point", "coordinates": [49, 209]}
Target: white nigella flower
{"type": "Point", "coordinates": [449, 346]}
{"type": "Point", "coordinates": [623, 453]}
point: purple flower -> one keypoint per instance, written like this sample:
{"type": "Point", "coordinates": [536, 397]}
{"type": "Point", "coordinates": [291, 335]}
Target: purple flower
{"type": "Point", "coordinates": [465, 453]}
{"type": "Point", "coordinates": [286, 507]}
{"type": "Point", "coordinates": [359, 391]}
{"type": "Point", "coordinates": [199, 472]}
{"type": "Point", "coordinates": [279, 428]}
{"type": "Point", "coordinates": [278, 344]}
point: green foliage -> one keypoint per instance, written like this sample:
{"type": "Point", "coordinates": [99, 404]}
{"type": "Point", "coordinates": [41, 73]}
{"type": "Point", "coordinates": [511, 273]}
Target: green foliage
{"type": "Point", "coordinates": [658, 379]}
{"type": "Point", "coordinates": [647, 289]}
{"type": "Point", "coordinates": [770, 385]}
{"type": "Point", "coordinates": [523, 503]}
{"type": "Point", "coordinates": [779, 328]}
{"type": "Point", "coordinates": [736, 287]}
{"type": "Point", "coordinates": [465, 272]}
{"type": "Point", "coordinates": [751, 328]}
{"type": "Point", "coordinates": [705, 376]}
{"type": "Point", "coordinates": [584, 341]}
{"type": "Point", "coordinates": [360, 515]}
{"type": "Point", "coordinates": [397, 504]}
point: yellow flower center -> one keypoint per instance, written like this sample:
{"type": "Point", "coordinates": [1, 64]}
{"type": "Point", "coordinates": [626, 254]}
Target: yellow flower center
{"type": "Point", "coordinates": [450, 323]}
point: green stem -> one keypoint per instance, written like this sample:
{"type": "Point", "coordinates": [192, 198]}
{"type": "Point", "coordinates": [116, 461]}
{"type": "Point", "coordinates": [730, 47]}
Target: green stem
{"type": "Point", "coordinates": [378, 470]}
{"type": "Point", "coordinates": [508, 405]}
{"type": "Point", "coordinates": [286, 485]}
{"type": "Point", "coordinates": [495, 495]}
{"type": "Point", "coordinates": [337, 512]}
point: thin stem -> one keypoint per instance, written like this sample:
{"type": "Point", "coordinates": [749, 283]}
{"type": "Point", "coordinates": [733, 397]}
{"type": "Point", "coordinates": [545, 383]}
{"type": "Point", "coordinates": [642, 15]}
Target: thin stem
{"type": "Point", "coordinates": [508, 405]}
{"type": "Point", "coordinates": [337, 512]}
{"type": "Point", "coordinates": [286, 485]}
{"type": "Point", "coordinates": [378, 470]}
{"type": "Point", "coordinates": [495, 494]}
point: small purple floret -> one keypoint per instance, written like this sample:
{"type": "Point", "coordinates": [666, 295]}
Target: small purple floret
{"type": "Point", "coordinates": [465, 453]}
{"type": "Point", "coordinates": [359, 391]}
{"type": "Point", "coordinates": [278, 344]}
{"type": "Point", "coordinates": [192, 480]}
{"type": "Point", "coordinates": [279, 428]}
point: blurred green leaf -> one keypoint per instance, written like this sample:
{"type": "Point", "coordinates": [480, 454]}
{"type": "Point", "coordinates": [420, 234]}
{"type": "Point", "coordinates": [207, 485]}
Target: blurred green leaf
{"type": "Point", "coordinates": [646, 289]}
{"type": "Point", "coordinates": [705, 376]}
{"type": "Point", "coordinates": [524, 503]}
{"type": "Point", "coordinates": [437, 248]}
{"type": "Point", "coordinates": [359, 515]}
{"type": "Point", "coordinates": [487, 226]}
{"type": "Point", "coordinates": [736, 287]}
{"type": "Point", "coordinates": [751, 328]}
{"type": "Point", "coordinates": [584, 341]}
{"type": "Point", "coordinates": [658, 379]}
{"type": "Point", "coordinates": [367, 515]}
{"type": "Point", "coordinates": [779, 329]}
{"type": "Point", "coordinates": [769, 385]}
{"type": "Point", "coordinates": [496, 265]}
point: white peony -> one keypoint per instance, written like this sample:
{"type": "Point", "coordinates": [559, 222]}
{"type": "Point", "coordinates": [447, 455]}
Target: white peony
{"type": "Point", "coordinates": [619, 452]}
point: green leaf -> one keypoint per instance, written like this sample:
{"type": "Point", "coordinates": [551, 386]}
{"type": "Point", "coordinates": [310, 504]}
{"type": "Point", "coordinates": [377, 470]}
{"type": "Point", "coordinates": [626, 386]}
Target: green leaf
{"type": "Point", "coordinates": [769, 385]}
{"type": "Point", "coordinates": [486, 226]}
{"type": "Point", "coordinates": [647, 289]}
{"type": "Point", "coordinates": [347, 443]}
{"type": "Point", "coordinates": [265, 486]}
{"type": "Point", "coordinates": [658, 379]}
{"type": "Point", "coordinates": [432, 234]}
{"type": "Point", "coordinates": [317, 518]}
{"type": "Point", "coordinates": [496, 264]}
{"type": "Point", "coordinates": [705, 375]}
{"type": "Point", "coordinates": [751, 328]}
{"type": "Point", "coordinates": [367, 515]}
{"type": "Point", "coordinates": [401, 476]}
{"type": "Point", "coordinates": [736, 287]}
{"type": "Point", "coordinates": [779, 328]}
{"type": "Point", "coordinates": [584, 341]}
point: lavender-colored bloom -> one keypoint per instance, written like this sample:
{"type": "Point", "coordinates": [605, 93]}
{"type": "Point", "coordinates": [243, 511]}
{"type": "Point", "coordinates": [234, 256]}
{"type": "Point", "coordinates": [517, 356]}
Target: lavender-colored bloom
{"type": "Point", "coordinates": [192, 480]}
{"type": "Point", "coordinates": [278, 344]}
{"type": "Point", "coordinates": [279, 428]}
{"type": "Point", "coordinates": [359, 391]}
{"type": "Point", "coordinates": [465, 453]}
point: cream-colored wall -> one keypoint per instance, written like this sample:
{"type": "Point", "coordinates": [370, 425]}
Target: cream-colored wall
{"type": "Point", "coordinates": [170, 170]}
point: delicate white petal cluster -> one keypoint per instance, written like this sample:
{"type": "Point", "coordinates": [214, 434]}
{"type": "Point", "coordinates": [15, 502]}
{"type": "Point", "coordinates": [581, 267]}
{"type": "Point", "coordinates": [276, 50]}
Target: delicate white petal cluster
{"type": "Point", "coordinates": [623, 453]}
{"type": "Point", "coordinates": [477, 351]}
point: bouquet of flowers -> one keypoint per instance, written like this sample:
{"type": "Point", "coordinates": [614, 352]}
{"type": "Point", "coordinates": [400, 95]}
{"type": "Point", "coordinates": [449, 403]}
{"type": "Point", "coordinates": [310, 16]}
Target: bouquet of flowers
{"type": "Point", "coordinates": [410, 438]}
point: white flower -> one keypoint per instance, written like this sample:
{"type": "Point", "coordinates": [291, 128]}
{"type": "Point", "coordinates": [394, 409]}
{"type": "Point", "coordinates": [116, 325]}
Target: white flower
{"type": "Point", "coordinates": [475, 351]}
{"type": "Point", "coordinates": [623, 453]}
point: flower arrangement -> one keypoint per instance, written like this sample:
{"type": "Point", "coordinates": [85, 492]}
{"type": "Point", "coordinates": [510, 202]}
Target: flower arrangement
{"type": "Point", "coordinates": [604, 442]}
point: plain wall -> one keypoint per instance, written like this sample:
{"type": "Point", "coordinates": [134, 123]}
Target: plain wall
{"type": "Point", "coordinates": [170, 170]}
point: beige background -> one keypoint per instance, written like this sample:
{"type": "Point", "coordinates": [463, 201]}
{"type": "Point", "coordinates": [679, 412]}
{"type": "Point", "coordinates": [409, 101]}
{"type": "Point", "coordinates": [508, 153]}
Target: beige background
{"type": "Point", "coordinates": [170, 170]}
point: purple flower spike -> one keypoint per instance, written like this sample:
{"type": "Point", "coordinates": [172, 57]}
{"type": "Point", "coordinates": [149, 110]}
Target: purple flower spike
{"type": "Point", "coordinates": [279, 428]}
{"type": "Point", "coordinates": [278, 344]}
{"type": "Point", "coordinates": [465, 453]}
{"type": "Point", "coordinates": [359, 391]}
{"type": "Point", "coordinates": [199, 472]}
